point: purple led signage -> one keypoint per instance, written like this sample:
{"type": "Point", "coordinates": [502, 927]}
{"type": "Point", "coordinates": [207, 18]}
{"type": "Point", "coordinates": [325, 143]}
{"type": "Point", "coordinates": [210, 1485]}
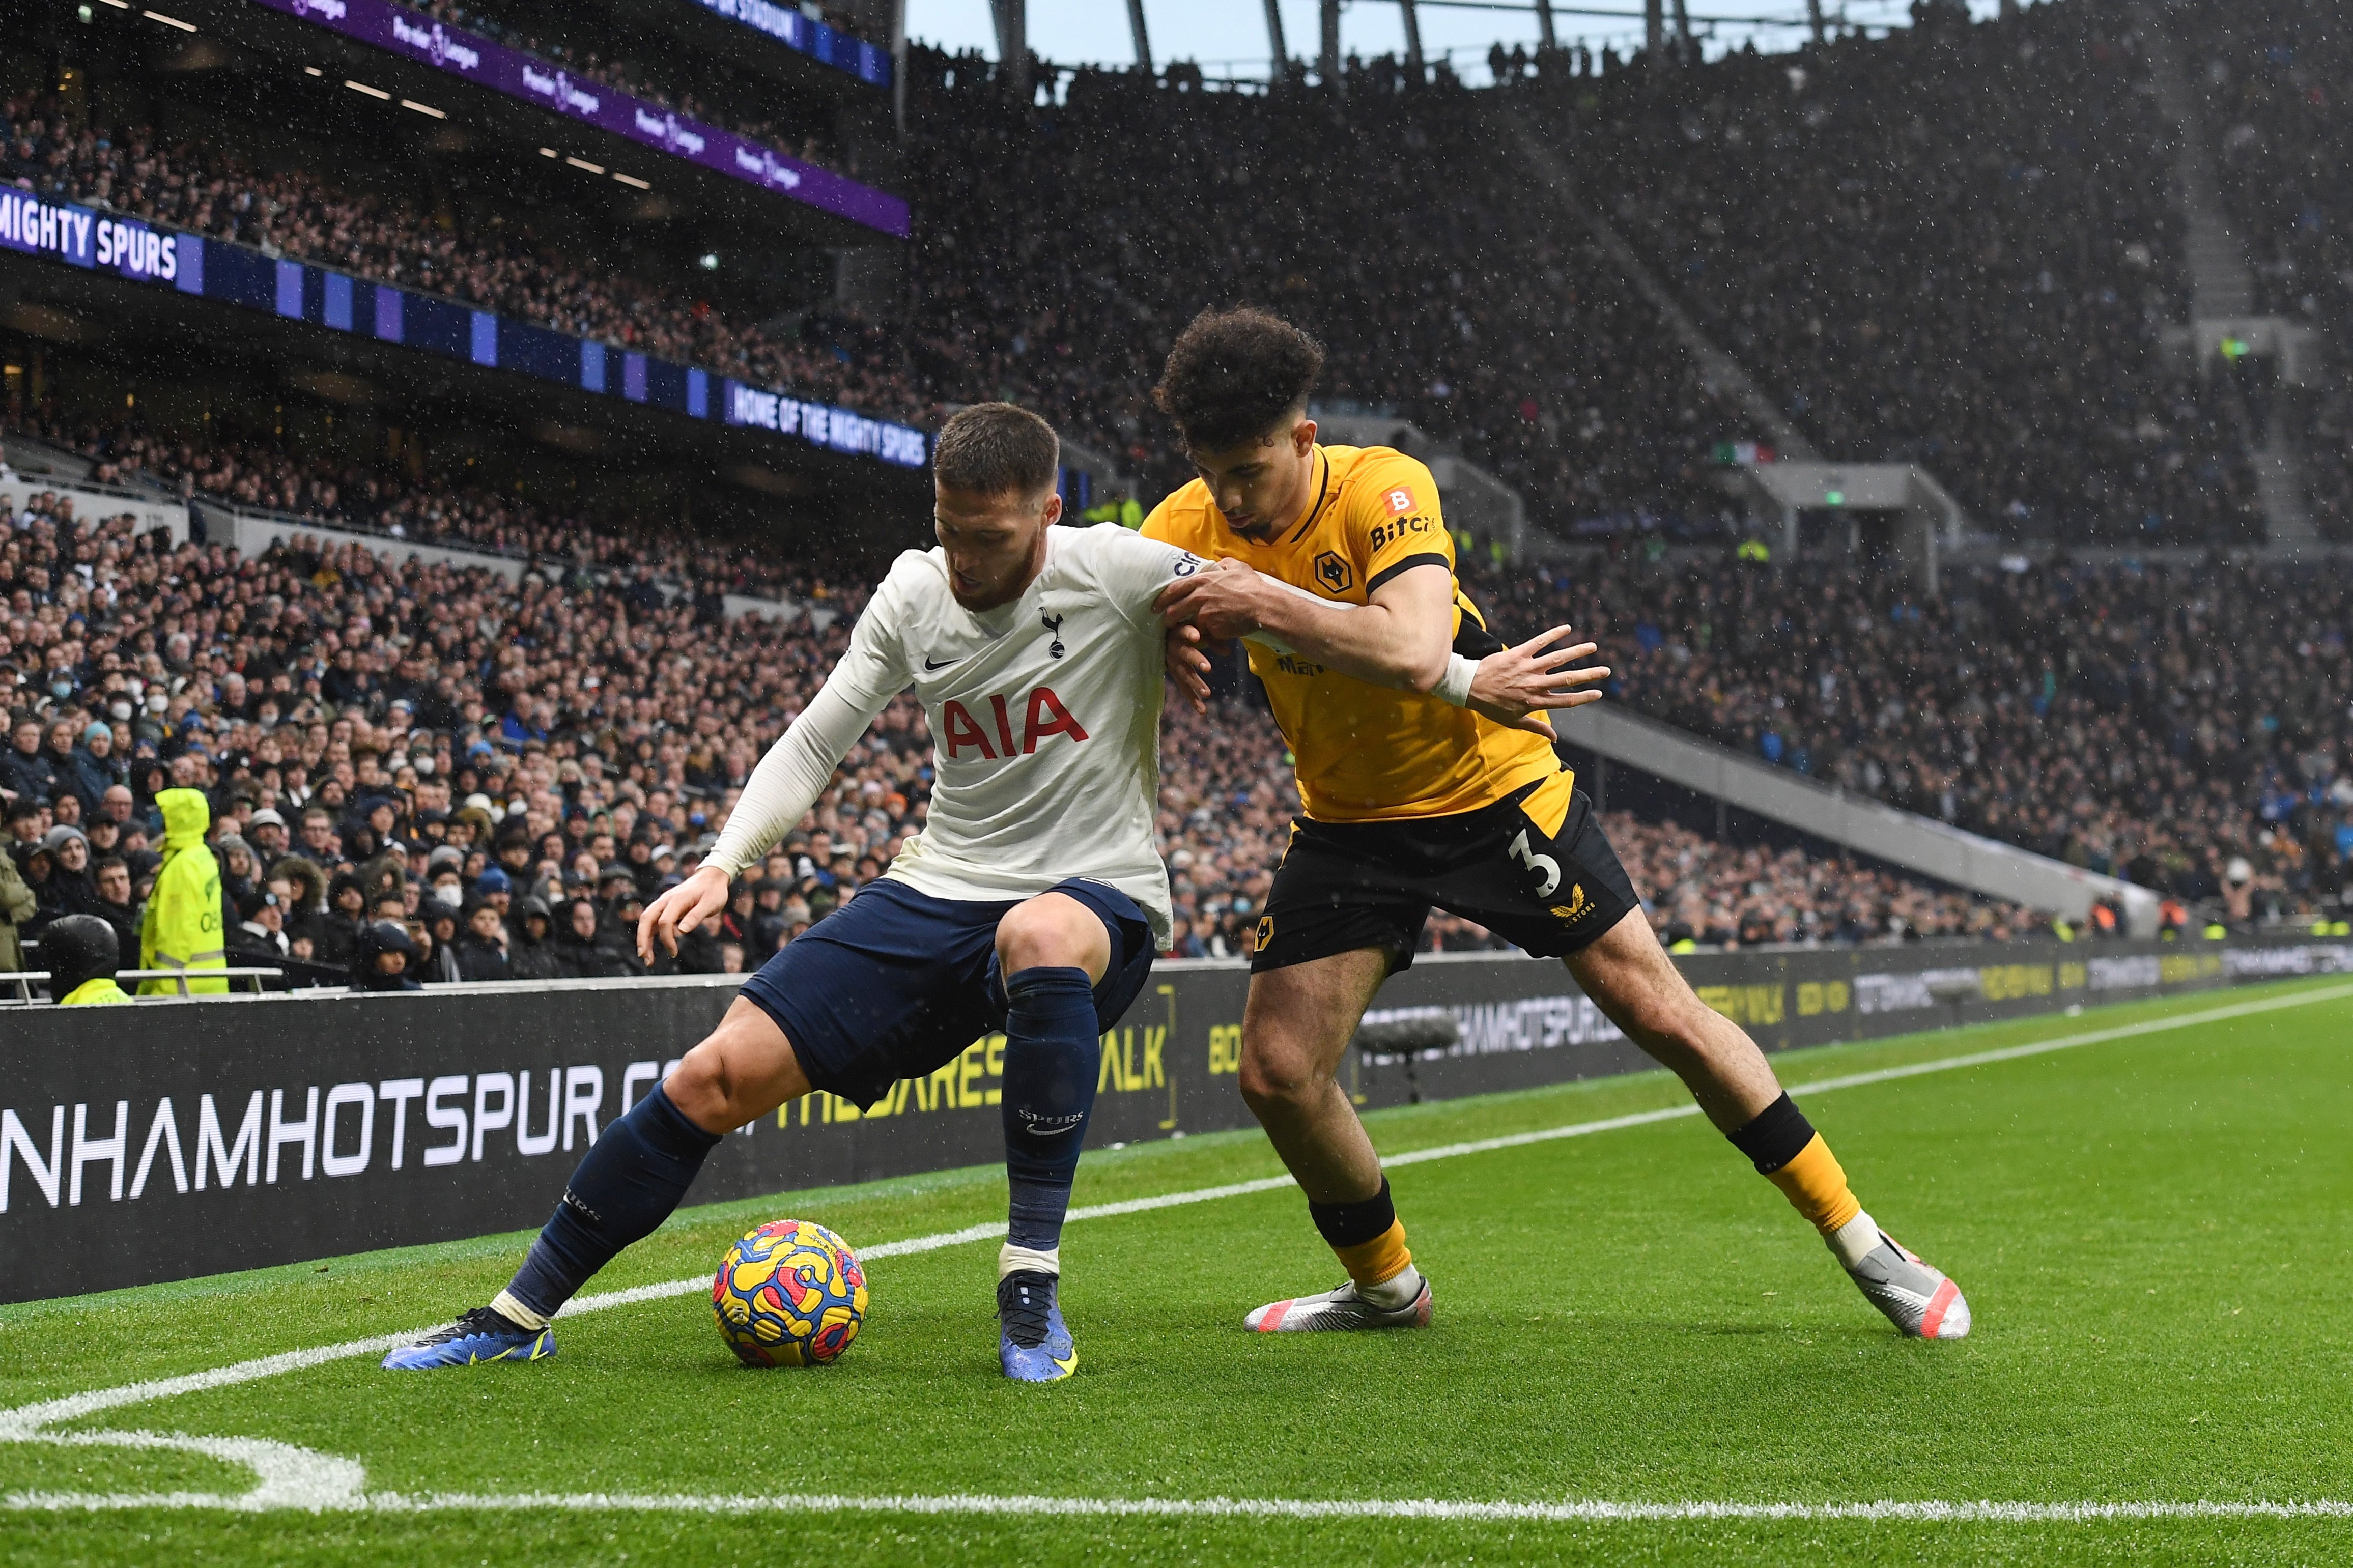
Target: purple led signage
{"type": "Point", "coordinates": [414, 36]}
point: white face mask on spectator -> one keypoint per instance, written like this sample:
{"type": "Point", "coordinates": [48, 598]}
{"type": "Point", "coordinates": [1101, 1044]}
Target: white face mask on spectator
{"type": "Point", "coordinates": [451, 893]}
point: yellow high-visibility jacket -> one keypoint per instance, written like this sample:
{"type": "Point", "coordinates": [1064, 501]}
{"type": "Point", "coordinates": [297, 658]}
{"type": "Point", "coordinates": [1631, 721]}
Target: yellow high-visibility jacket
{"type": "Point", "coordinates": [181, 929]}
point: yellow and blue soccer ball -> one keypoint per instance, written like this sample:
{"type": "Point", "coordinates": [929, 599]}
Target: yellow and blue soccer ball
{"type": "Point", "coordinates": [790, 1293]}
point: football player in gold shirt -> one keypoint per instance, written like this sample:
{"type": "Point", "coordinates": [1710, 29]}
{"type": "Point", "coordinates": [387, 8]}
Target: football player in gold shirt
{"type": "Point", "coordinates": [1427, 777]}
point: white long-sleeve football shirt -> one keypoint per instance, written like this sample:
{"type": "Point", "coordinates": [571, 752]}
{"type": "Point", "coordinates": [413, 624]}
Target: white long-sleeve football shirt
{"type": "Point", "coordinates": [1045, 718]}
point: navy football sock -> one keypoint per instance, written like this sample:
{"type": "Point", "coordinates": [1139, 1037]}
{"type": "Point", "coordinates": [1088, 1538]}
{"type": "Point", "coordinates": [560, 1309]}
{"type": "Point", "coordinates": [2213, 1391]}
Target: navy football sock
{"type": "Point", "coordinates": [1051, 1057]}
{"type": "Point", "coordinates": [632, 1177]}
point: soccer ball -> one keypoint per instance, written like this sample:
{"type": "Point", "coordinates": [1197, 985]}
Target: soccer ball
{"type": "Point", "coordinates": [790, 1293]}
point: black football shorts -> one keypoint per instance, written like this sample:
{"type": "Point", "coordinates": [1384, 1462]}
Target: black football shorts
{"type": "Point", "coordinates": [1348, 885]}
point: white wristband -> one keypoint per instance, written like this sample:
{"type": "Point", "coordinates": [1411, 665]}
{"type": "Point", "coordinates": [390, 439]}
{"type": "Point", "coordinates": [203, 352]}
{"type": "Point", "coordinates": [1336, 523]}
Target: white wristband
{"type": "Point", "coordinates": [1454, 685]}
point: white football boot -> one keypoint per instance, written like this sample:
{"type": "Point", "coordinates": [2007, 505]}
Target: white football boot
{"type": "Point", "coordinates": [1344, 1308]}
{"type": "Point", "coordinates": [1916, 1297]}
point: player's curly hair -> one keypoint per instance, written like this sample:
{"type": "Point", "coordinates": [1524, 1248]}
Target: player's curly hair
{"type": "Point", "coordinates": [1233, 374]}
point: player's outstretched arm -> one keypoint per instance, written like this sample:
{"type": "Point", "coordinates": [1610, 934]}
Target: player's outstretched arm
{"type": "Point", "coordinates": [788, 780]}
{"type": "Point", "coordinates": [1516, 685]}
{"type": "Point", "coordinates": [682, 909]}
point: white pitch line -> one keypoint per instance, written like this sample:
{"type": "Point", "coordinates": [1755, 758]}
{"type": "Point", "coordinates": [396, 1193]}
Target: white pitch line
{"type": "Point", "coordinates": [24, 1420]}
{"type": "Point", "coordinates": [1881, 1075]}
{"type": "Point", "coordinates": [1437, 1509]}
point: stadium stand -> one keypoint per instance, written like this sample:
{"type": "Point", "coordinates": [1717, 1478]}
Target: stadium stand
{"type": "Point", "coordinates": [1525, 368]}
{"type": "Point", "coordinates": [262, 474]}
{"type": "Point", "coordinates": [2272, 74]}
{"type": "Point", "coordinates": [538, 730]}
{"type": "Point", "coordinates": [803, 136]}
{"type": "Point", "coordinates": [482, 261]}
{"type": "Point", "coordinates": [2181, 728]}
{"type": "Point", "coordinates": [1062, 264]}
{"type": "Point", "coordinates": [1892, 235]}
{"type": "Point", "coordinates": [2015, 351]}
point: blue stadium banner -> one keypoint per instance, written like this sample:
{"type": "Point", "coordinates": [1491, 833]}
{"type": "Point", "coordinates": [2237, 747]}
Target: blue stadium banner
{"type": "Point", "coordinates": [820, 424]}
{"type": "Point", "coordinates": [785, 23]}
{"type": "Point", "coordinates": [233, 275]}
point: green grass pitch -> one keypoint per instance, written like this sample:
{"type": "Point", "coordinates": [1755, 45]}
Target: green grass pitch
{"type": "Point", "coordinates": [2152, 1228]}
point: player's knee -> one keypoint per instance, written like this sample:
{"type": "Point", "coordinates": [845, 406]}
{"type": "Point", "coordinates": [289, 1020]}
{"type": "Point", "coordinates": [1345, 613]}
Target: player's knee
{"type": "Point", "coordinates": [1278, 1072]}
{"type": "Point", "coordinates": [1053, 931]}
{"type": "Point", "coordinates": [703, 1087]}
{"type": "Point", "coordinates": [698, 1085]}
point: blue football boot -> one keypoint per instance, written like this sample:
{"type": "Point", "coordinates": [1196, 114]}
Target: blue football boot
{"type": "Point", "coordinates": [1033, 1345]}
{"type": "Point", "coordinates": [480, 1335]}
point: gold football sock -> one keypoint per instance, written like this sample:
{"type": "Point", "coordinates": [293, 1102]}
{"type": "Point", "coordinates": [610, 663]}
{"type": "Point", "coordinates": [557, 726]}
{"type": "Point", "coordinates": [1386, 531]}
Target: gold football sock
{"type": "Point", "coordinates": [1365, 1235]}
{"type": "Point", "coordinates": [1380, 1260]}
{"type": "Point", "coordinates": [1786, 1152]}
{"type": "Point", "coordinates": [1816, 1186]}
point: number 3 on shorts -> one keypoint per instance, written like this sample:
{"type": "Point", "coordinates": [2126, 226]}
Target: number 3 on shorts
{"type": "Point", "coordinates": [1544, 865]}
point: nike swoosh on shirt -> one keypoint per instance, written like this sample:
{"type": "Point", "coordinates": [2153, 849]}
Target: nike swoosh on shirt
{"type": "Point", "coordinates": [932, 664]}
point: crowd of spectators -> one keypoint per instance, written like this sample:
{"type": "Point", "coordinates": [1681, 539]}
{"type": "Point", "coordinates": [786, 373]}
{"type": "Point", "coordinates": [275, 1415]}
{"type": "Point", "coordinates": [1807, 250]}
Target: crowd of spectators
{"type": "Point", "coordinates": [2185, 729]}
{"type": "Point", "coordinates": [1059, 251]}
{"type": "Point", "coordinates": [1046, 266]}
{"type": "Point", "coordinates": [1949, 244]}
{"type": "Point", "coordinates": [258, 474]}
{"type": "Point", "coordinates": [483, 262]}
{"type": "Point", "coordinates": [424, 744]}
{"type": "Point", "coordinates": [2272, 73]}
{"type": "Point", "coordinates": [1952, 245]}
{"type": "Point", "coordinates": [796, 136]}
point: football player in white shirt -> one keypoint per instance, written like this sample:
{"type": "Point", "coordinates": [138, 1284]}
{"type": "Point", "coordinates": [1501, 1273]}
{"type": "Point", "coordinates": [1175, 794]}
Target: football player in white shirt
{"type": "Point", "coordinates": [1032, 901]}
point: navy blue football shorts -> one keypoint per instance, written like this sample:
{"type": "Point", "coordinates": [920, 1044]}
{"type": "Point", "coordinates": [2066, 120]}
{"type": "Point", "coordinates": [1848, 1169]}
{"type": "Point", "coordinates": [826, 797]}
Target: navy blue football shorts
{"type": "Point", "coordinates": [894, 984]}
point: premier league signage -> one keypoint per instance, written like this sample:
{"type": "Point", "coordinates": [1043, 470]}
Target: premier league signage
{"type": "Point", "coordinates": [233, 275]}
{"type": "Point", "coordinates": [416, 36]}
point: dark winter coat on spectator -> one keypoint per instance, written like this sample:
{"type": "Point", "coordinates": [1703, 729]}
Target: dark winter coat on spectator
{"type": "Point", "coordinates": [698, 950]}
{"type": "Point", "coordinates": [308, 916]}
{"type": "Point", "coordinates": [124, 918]}
{"type": "Point", "coordinates": [480, 959]}
{"type": "Point", "coordinates": [68, 893]}
{"type": "Point", "coordinates": [336, 939]}
{"type": "Point", "coordinates": [91, 777]}
{"type": "Point", "coordinates": [252, 948]}
{"type": "Point", "coordinates": [440, 966]}
{"type": "Point", "coordinates": [529, 960]}
{"type": "Point", "coordinates": [596, 958]}
{"type": "Point", "coordinates": [28, 778]}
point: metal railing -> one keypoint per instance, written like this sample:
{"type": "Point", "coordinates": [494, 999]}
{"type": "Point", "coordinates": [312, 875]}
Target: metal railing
{"type": "Point", "coordinates": [21, 980]}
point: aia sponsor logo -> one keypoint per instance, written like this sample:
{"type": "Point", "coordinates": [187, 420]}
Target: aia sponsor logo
{"type": "Point", "coordinates": [1043, 716]}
